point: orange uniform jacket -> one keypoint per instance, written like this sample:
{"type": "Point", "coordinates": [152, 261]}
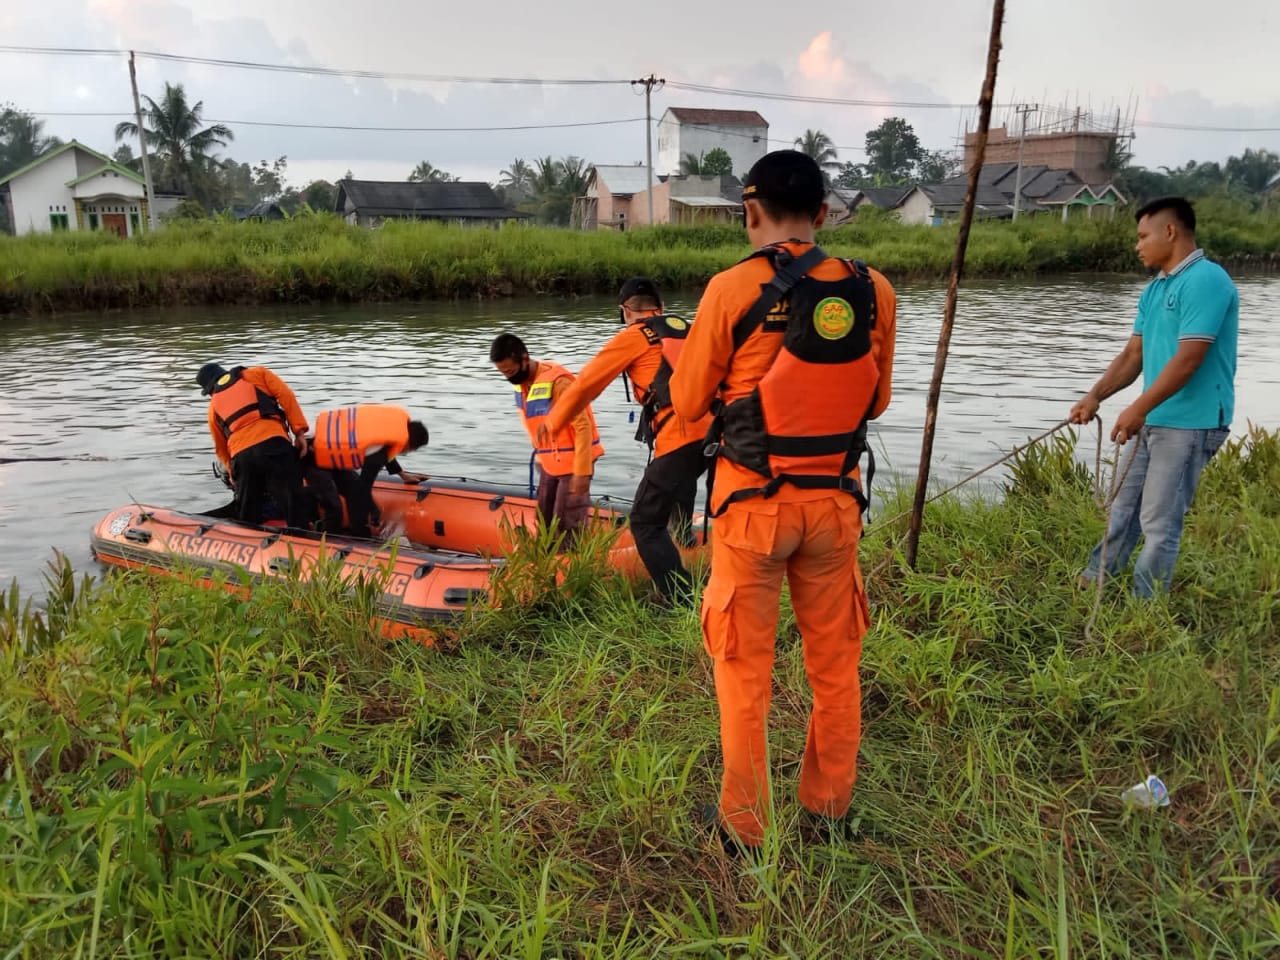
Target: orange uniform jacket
{"type": "Point", "coordinates": [709, 367]}
{"type": "Point", "coordinates": [255, 433]}
{"type": "Point", "coordinates": [631, 352]}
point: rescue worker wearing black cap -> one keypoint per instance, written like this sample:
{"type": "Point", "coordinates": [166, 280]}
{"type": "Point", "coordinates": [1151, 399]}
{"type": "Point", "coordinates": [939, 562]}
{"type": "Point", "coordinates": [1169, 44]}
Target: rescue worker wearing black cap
{"type": "Point", "coordinates": [646, 350]}
{"type": "Point", "coordinates": [794, 351]}
{"type": "Point", "coordinates": [251, 414]}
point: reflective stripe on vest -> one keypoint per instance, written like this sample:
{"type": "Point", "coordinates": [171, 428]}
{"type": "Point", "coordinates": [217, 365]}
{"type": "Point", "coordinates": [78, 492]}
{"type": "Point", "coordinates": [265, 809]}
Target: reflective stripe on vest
{"type": "Point", "coordinates": [343, 436]}
{"type": "Point", "coordinates": [534, 401]}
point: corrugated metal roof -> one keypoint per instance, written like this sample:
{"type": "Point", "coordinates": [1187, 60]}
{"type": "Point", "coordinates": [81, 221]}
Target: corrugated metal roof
{"type": "Point", "coordinates": [453, 198]}
{"type": "Point", "coordinates": [706, 202]}
{"type": "Point", "coordinates": [624, 179]}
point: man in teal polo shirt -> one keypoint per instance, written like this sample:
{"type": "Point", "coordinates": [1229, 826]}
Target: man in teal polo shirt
{"type": "Point", "coordinates": [1184, 345]}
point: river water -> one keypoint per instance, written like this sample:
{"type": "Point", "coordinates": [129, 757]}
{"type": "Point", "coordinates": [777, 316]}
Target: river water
{"type": "Point", "coordinates": [120, 387]}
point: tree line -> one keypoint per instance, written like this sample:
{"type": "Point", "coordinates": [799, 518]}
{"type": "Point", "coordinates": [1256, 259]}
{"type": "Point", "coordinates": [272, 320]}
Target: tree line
{"type": "Point", "coordinates": [182, 150]}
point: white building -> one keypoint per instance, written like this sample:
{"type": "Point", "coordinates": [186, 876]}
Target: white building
{"type": "Point", "coordinates": [74, 188]}
{"type": "Point", "coordinates": [743, 134]}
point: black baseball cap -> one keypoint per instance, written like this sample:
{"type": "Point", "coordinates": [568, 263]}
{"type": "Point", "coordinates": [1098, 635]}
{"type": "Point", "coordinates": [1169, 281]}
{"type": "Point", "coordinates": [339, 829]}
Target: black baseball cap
{"type": "Point", "coordinates": [209, 375]}
{"type": "Point", "coordinates": [639, 287]}
{"type": "Point", "coordinates": [787, 179]}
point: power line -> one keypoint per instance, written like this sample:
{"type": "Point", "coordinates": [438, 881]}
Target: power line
{"type": "Point", "coordinates": [312, 71]}
{"type": "Point", "coordinates": [574, 81]}
{"type": "Point", "coordinates": [833, 101]}
{"type": "Point", "coordinates": [355, 127]}
{"type": "Point", "coordinates": [929, 105]}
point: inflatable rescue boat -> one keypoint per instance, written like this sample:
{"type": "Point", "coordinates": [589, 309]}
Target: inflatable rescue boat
{"type": "Point", "coordinates": [419, 589]}
{"type": "Point", "coordinates": [468, 516]}
{"type": "Point", "coordinates": [459, 533]}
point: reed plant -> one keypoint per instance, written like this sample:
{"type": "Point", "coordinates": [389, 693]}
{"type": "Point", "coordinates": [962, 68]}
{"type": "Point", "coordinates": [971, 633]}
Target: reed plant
{"type": "Point", "coordinates": [188, 773]}
{"type": "Point", "coordinates": [318, 257]}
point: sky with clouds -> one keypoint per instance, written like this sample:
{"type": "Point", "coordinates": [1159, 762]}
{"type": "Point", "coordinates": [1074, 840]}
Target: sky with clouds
{"type": "Point", "coordinates": [1173, 62]}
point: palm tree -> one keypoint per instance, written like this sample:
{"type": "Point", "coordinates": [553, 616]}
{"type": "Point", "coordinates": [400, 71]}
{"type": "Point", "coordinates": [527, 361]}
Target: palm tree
{"type": "Point", "coordinates": [818, 145]}
{"type": "Point", "coordinates": [691, 164]}
{"type": "Point", "coordinates": [176, 132]}
{"type": "Point", "coordinates": [546, 175]}
{"type": "Point", "coordinates": [22, 139]}
{"type": "Point", "coordinates": [573, 176]}
{"type": "Point", "coordinates": [426, 173]}
{"type": "Point", "coordinates": [517, 180]}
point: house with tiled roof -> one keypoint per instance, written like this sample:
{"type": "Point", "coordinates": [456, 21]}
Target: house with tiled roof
{"type": "Point", "coordinates": [1042, 190]}
{"type": "Point", "coordinates": [743, 134]}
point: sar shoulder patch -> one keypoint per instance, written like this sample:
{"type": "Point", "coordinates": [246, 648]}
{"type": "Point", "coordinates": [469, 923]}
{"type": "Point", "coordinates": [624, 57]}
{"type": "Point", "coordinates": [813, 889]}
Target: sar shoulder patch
{"type": "Point", "coordinates": [676, 323]}
{"type": "Point", "coordinates": [833, 318]}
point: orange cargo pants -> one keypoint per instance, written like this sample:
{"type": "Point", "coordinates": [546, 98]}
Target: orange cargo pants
{"type": "Point", "coordinates": [815, 544]}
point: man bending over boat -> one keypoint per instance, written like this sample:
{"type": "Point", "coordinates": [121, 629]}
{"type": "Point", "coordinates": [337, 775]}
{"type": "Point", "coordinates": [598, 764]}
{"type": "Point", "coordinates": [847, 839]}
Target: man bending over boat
{"type": "Point", "coordinates": [567, 459]}
{"type": "Point", "coordinates": [251, 414]}
{"type": "Point", "coordinates": [365, 438]}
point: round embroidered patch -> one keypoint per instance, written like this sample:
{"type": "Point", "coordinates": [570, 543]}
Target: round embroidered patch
{"type": "Point", "coordinates": [833, 318]}
{"type": "Point", "coordinates": [675, 323]}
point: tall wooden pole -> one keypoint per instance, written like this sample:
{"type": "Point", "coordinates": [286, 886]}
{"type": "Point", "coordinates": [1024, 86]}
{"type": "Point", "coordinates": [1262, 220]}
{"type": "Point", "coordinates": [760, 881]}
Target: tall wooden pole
{"type": "Point", "coordinates": [142, 146]}
{"type": "Point", "coordinates": [953, 283]}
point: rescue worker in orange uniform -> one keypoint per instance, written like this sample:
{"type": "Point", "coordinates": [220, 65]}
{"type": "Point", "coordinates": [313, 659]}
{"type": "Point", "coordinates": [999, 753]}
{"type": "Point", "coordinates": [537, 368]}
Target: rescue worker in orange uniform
{"type": "Point", "coordinates": [567, 461]}
{"type": "Point", "coordinates": [251, 413]}
{"type": "Point", "coordinates": [365, 438]}
{"type": "Point", "coordinates": [646, 350]}
{"type": "Point", "coordinates": [795, 351]}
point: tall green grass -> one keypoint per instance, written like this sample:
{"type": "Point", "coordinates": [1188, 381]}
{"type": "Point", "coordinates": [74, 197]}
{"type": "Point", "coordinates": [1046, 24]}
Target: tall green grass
{"type": "Point", "coordinates": [320, 258]}
{"type": "Point", "coordinates": [186, 774]}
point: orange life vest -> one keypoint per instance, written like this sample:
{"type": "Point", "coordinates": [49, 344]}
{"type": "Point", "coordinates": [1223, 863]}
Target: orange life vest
{"type": "Point", "coordinates": [534, 401]}
{"type": "Point", "coordinates": [805, 422]}
{"type": "Point", "coordinates": [238, 403]}
{"type": "Point", "coordinates": [344, 437]}
{"type": "Point", "coordinates": [668, 332]}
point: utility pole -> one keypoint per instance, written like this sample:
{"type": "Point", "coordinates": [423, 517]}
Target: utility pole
{"type": "Point", "coordinates": [650, 83]}
{"type": "Point", "coordinates": [1024, 109]}
{"type": "Point", "coordinates": [142, 145]}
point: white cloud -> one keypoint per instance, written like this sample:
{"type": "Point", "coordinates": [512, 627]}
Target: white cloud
{"type": "Point", "coordinates": [863, 54]}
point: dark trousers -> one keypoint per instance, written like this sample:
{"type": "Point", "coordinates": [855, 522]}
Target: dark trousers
{"type": "Point", "coordinates": [667, 491]}
{"type": "Point", "coordinates": [269, 469]}
{"type": "Point", "coordinates": [360, 506]}
{"type": "Point", "coordinates": [555, 502]}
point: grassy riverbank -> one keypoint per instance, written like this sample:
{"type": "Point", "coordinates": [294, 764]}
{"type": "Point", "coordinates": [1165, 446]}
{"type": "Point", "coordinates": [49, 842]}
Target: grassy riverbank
{"type": "Point", "coordinates": [184, 774]}
{"type": "Point", "coordinates": [319, 258]}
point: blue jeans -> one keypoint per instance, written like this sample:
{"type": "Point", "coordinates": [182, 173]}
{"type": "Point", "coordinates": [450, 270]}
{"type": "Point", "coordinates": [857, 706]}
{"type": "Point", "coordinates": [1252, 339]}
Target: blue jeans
{"type": "Point", "coordinates": [1152, 502]}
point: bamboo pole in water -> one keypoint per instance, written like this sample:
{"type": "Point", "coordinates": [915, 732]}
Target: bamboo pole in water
{"type": "Point", "coordinates": [953, 283]}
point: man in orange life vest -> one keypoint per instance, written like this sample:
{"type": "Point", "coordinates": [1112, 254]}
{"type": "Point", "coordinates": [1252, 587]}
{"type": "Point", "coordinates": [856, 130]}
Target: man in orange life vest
{"type": "Point", "coordinates": [567, 461]}
{"type": "Point", "coordinates": [251, 412]}
{"type": "Point", "coordinates": [366, 438]}
{"type": "Point", "coordinates": [795, 350]}
{"type": "Point", "coordinates": [647, 350]}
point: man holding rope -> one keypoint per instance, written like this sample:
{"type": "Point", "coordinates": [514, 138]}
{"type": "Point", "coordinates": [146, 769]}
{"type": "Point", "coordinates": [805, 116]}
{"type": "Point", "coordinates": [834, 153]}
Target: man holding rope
{"type": "Point", "coordinates": [1184, 345]}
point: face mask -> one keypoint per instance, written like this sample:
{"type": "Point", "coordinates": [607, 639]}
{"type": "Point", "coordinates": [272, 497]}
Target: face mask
{"type": "Point", "coordinates": [521, 375]}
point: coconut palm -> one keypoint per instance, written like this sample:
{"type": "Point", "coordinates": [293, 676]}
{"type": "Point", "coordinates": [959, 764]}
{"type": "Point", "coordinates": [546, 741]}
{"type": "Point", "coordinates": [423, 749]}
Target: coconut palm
{"type": "Point", "coordinates": [818, 145]}
{"type": "Point", "coordinates": [691, 164]}
{"type": "Point", "coordinates": [176, 133]}
{"type": "Point", "coordinates": [517, 180]}
{"type": "Point", "coordinates": [426, 173]}
{"type": "Point", "coordinates": [22, 139]}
